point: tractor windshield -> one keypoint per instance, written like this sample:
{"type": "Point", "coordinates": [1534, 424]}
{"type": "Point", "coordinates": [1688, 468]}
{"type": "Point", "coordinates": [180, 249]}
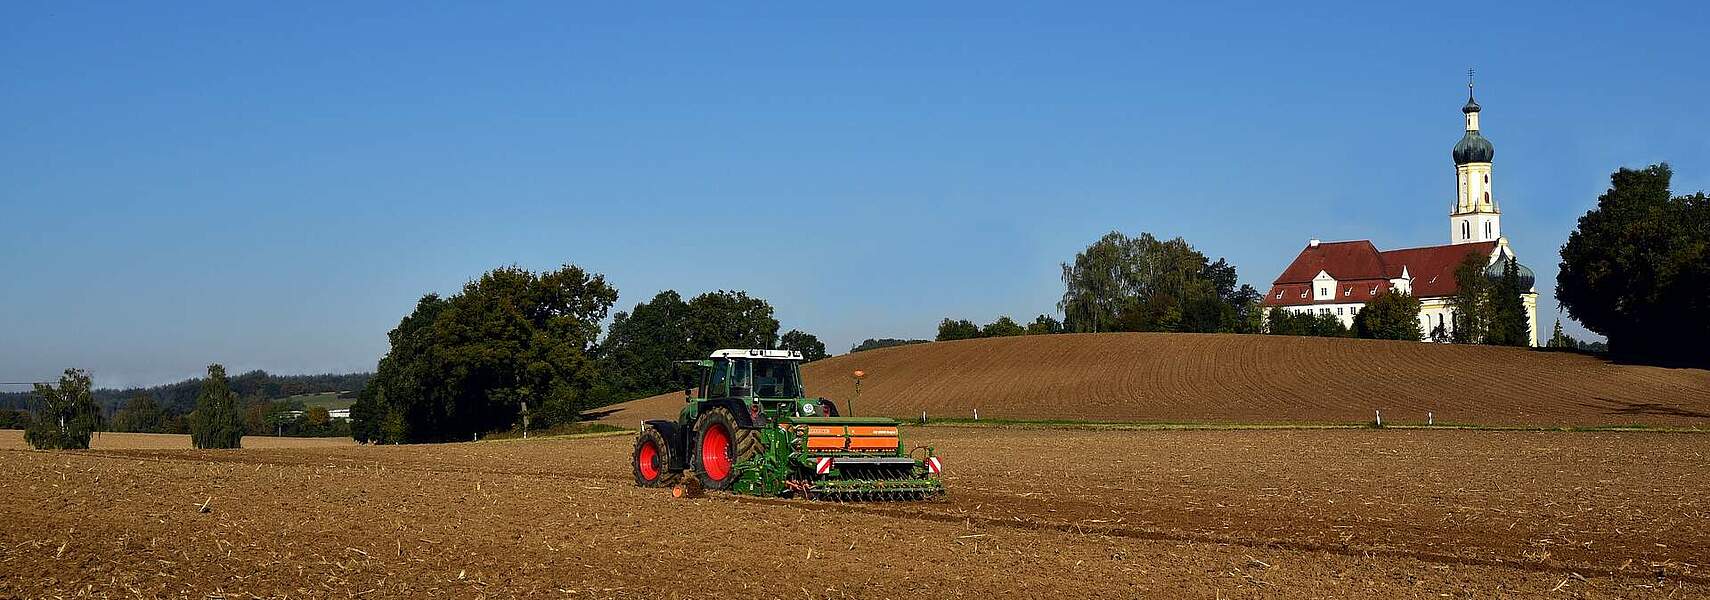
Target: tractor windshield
{"type": "Point", "coordinates": [777, 379]}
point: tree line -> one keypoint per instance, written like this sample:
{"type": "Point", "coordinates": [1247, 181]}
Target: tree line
{"type": "Point", "coordinates": [265, 405]}
{"type": "Point", "coordinates": [515, 348]}
{"type": "Point", "coordinates": [67, 417]}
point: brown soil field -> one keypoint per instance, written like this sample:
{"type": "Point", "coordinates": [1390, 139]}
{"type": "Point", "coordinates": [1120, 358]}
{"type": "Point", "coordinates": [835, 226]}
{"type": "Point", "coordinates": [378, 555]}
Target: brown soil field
{"type": "Point", "coordinates": [1200, 378]}
{"type": "Point", "coordinates": [1031, 514]}
{"type": "Point", "coordinates": [13, 439]}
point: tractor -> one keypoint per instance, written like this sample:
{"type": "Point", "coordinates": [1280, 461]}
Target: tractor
{"type": "Point", "coordinates": [749, 428]}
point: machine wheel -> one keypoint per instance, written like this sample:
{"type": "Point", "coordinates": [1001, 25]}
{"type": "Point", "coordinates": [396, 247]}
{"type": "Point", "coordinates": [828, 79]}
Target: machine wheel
{"type": "Point", "coordinates": [718, 445]}
{"type": "Point", "coordinates": [652, 460]}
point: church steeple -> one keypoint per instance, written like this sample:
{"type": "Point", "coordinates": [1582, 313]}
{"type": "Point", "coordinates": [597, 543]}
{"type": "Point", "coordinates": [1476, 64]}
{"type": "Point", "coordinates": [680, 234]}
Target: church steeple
{"type": "Point", "coordinates": [1475, 216]}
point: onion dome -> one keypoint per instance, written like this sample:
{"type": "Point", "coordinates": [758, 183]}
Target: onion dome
{"type": "Point", "coordinates": [1494, 274]}
{"type": "Point", "coordinates": [1473, 148]}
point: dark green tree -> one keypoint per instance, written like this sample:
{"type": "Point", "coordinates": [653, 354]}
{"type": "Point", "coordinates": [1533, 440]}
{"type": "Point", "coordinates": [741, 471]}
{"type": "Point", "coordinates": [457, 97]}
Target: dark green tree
{"type": "Point", "coordinates": [806, 343]}
{"type": "Point", "coordinates": [66, 414]}
{"type": "Point", "coordinates": [1637, 268]}
{"type": "Point", "coordinates": [217, 421]}
{"type": "Point", "coordinates": [1471, 303]}
{"type": "Point", "coordinates": [957, 330]}
{"type": "Point", "coordinates": [1044, 325]}
{"type": "Point", "coordinates": [1315, 324]}
{"type": "Point", "coordinates": [724, 319]}
{"type": "Point", "coordinates": [1002, 327]}
{"type": "Point", "coordinates": [464, 365]}
{"type": "Point", "coordinates": [639, 351]}
{"type": "Point", "coordinates": [1391, 315]}
{"type": "Point", "coordinates": [1509, 325]}
{"type": "Point", "coordinates": [14, 419]}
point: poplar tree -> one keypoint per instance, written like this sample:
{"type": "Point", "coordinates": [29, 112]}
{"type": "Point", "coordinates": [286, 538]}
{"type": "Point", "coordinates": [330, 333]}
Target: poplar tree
{"type": "Point", "coordinates": [216, 422]}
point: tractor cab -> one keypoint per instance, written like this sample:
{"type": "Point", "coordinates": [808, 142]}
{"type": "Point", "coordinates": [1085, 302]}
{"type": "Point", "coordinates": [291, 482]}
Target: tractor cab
{"type": "Point", "coordinates": [766, 383]}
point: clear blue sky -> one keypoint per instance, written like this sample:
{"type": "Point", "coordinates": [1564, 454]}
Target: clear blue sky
{"type": "Point", "coordinates": [273, 187]}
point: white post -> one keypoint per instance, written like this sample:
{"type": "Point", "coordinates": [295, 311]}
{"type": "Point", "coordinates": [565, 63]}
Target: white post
{"type": "Point", "coordinates": [1379, 417]}
{"type": "Point", "coordinates": [976, 414]}
{"type": "Point", "coordinates": [1430, 419]}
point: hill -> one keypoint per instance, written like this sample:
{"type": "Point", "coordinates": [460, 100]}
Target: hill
{"type": "Point", "coordinates": [1216, 378]}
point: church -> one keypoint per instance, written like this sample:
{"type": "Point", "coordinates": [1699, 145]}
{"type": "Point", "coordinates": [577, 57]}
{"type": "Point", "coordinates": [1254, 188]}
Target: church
{"type": "Point", "coordinates": [1338, 278]}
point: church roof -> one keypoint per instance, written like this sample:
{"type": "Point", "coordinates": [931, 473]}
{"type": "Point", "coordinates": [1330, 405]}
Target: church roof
{"type": "Point", "coordinates": [1358, 267]}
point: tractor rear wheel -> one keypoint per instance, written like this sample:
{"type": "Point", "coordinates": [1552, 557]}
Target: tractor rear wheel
{"type": "Point", "coordinates": [652, 460]}
{"type": "Point", "coordinates": [719, 444]}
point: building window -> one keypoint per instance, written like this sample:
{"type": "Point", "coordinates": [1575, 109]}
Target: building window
{"type": "Point", "coordinates": [1487, 182]}
{"type": "Point", "coordinates": [1487, 230]}
{"type": "Point", "coordinates": [1303, 293]}
{"type": "Point", "coordinates": [1373, 291]}
{"type": "Point", "coordinates": [1338, 310]}
{"type": "Point", "coordinates": [1323, 291]}
{"type": "Point", "coordinates": [1354, 310]}
{"type": "Point", "coordinates": [1279, 294]}
{"type": "Point", "coordinates": [1348, 292]}
{"type": "Point", "coordinates": [1466, 230]}
{"type": "Point", "coordinates": [1487, 197]}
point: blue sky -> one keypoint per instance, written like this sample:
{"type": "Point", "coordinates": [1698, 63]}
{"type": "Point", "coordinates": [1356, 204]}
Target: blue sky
{"type": "Point", "coordinates": [273, 187]}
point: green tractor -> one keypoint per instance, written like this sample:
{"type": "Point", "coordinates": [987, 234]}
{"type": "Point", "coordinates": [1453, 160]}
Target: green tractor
{"type": "Point", "coordinates": [750, 429]}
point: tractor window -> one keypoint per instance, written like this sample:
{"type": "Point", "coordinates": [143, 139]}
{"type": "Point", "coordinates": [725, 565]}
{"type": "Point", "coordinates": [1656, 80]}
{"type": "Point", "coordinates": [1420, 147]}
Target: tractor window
{"type": "Point", "coordinates": [742, 379]}
{"type": "Point", "coordinates": [776, 379]}
{"type": "Point", "coordinates": [720, 380]}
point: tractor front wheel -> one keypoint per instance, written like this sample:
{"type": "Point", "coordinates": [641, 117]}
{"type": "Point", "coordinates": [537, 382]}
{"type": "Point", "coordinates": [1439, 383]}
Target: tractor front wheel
{"type": "Point", "coordinates": [652, 460]}
{"type": "Point", "coordinates": [719, 444]}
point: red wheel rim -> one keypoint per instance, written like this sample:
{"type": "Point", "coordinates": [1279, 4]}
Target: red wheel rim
{"type": "Point", "coordinates": [715, 452]}
{"type": "Point", "coordinates": [645, 461]}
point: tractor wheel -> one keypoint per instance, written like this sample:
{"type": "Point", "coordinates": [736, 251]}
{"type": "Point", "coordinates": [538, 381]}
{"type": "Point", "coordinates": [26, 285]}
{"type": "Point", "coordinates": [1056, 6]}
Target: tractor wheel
{"type": "Point", "coordinates": [652, 460]}
{"type": "Point", "coordinates": [718, 445]}
{"type": "Point", "coordinates": [827, 408]}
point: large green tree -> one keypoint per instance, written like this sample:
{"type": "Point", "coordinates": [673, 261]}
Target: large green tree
{"type": "Point", "coordinates": [66, 414]}
{"type": "Point", "coordinates": [217, 421]}
{"type": "Point", "coordinates": [806, 343]}
{"type": "Point", "coordinates": [1471, 303]}
{"type": "Point", "coordinates": [1145, 284]}
{"type": "Point", "coordinates": [1637, 268]}
{"type": "Point", "coordinates": [640, 350]}
{"type": "Point", "coordinates": [959, 329]}
{"type": "Point", "coordinates": [1391, 315]}
{"type": "Point", "coordinates": [467, 364]}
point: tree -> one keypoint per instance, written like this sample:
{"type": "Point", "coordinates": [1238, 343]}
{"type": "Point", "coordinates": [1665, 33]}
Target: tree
{"type": "Point", "coordinates": [957, 330]}
{"type": "Point", "coordinates": [874, 344]}
{"type": "Point", "coordinates": [14, 419]}
{"type": "Point", "coordinates": [317, 416]}
{"type": "Point", "coordinates": [217, 421]}
{"type": "Point", "coordinates": [1002, 327]}
{"type": "Point", "coordinates": [1509, 325]}
{"type": "Point", "coordinates": [1471, 302]}
{"type": "Point", "coordinates": [1146, 284]}
{"type": "Point", "coordinates": [1044, 325]}
{"type": "Point", "coordinates": [141, 414]}
{"type": "Point", "coordinates": [806, 343]}
{"type": "Point", "coordinates": [463, 365]}
{"type": "Point", "coordinates": [724, 319]}
{"type": "Point", "coordinates": [1392, 315]}
{"type": "Point", "coordinates": [1636, 269]}
{"type": "Point", "coordinates": [639, 351]}
{"type": "Point", "coordinates": [66, 416]}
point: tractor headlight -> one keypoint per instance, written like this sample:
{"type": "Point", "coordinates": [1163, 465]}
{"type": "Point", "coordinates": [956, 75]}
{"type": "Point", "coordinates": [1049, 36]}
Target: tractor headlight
{"type": "Point", "coordinates": [807, 409]}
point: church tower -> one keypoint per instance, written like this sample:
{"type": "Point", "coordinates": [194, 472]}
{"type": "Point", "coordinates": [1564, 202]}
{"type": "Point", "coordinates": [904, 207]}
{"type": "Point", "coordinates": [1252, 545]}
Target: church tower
{"type": "Point", "coordinates": [1475, 216]}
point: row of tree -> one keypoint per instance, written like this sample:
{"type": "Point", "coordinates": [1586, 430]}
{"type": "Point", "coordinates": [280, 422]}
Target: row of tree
{"type": "Point", "coordinates": [66, 416]}
{"type": "Point", "coordinates": [179, 398]}
{"type": "Point", "coordinates": [963, 329]}
{"type": "Point", "coordinates": [515, 345]}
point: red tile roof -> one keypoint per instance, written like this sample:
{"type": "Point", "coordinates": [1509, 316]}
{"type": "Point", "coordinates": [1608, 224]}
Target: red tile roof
{"type": "Point", "coordinates": [1361, 271]}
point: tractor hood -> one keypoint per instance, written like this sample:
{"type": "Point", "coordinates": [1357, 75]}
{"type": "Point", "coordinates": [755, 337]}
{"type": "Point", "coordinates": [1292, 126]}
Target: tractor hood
{"type": "Point", "coordinates": [844, 421]}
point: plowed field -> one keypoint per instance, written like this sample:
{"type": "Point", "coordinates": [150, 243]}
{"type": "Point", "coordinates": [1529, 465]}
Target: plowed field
{"type": "Point", "coordinates": [1150, 377]}
{"type": "Point", "coordinates": [1032, 513]}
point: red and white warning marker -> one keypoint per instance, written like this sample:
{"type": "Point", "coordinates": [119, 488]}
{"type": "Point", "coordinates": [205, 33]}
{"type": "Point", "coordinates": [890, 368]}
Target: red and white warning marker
{"type": "Point", "coordinates": [934, 466]}
{"type": "Point", "coordinates": [822, 466]}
